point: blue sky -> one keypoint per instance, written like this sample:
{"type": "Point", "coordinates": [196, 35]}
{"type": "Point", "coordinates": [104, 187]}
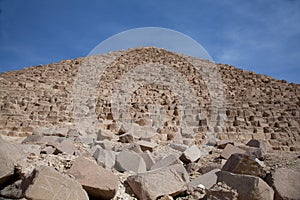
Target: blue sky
{"type": "Point", "coordinates": [260, 35]}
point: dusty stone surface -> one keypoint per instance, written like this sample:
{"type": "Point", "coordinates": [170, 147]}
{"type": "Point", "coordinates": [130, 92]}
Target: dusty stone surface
{"type": "Point", "coordinates": [191, 154]}
{"type": "Point", "coordinates": [286, 183]}
{"type": "Point", "coordinates": [98, 182]}
{"type": "Point", "coordinates": [130, 161]}
{"type": "Point", "coordinates": [248, 187]}
{"type": "Point", "coordinates": [49, 184]}
{"type": "Point", "coordinates": [244, 164]}
{"type": "Point", "coordinates": [156, 183]}
{"type": "Point", "coordinates": [230, 149]}
{"type": "Point", "coordinates": [9, 155]}
{"type": "Point", "coordinates": [207, 180]}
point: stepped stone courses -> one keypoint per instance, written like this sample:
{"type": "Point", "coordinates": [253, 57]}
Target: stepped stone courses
{"type": "Point", "coordinates": [258, 107]}
{"type": "Point", "coordinates": [168, 152]}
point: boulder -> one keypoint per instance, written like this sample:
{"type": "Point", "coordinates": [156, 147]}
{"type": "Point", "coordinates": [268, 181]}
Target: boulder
{"type": "Point", "coordinates": [248, 187]}
{"type": "Point", "coordinates": [65, 146]}
{"type": "Point", "coordinates": [207, 180]}
{"type": "Point", "coordinates": [258, 144]}
{"type": "Point", "coordinates": [244, 164]}
{"type": "Point", "coordinates": [97, 181]}
{"type": "Point", "coordinates": [285, 183]}
{"type": "Point", "coordinates": [105, 158]}
{"type": "Point", "coordinates": [130, 161]}
{"type": "Point", "coordinates": [9, 155]}
{"type": "Point", "coordinates": [191, 154]}
{"type": "Point", "coordinates": [47, 184]}
{"type": "Point", "coordinates": [166, 161]}
{"type": "Point", "coordinates": [162, 182]}
{"type": "Point", "coordinates": [230, 149]}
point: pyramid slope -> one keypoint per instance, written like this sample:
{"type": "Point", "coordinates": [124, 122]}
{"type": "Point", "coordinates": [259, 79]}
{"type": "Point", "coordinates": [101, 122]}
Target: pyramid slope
{"type": "Point", "coordinates": [256, 106]}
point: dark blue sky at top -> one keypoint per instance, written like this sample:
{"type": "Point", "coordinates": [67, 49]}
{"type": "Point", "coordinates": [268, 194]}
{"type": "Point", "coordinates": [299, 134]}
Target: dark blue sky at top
{"type": "Point", "coordinates": [260, 35]}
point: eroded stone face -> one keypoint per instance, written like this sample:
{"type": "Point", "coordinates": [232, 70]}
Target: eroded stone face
{"type": "Point", "coordinates": [49, 184]}
{"type": "Point", "coordinates": [257, 106]}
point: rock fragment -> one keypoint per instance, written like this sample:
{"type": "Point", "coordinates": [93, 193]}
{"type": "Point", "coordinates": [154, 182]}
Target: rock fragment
{"type": "Point", "coordinates": [191, 154]}
{"type": "Point", "coordinates": [244, 164]}
{"type": "Point", "coordinates": [230, 149]}
{"type": "Point", "coordinates": [161, 182]}
{"type": "Point", "coordinates": [48, 184]}
{"type": "Point", "coordinates": [130, 161]}
{"type": "Point", "coordinates": [248, 187]}
{"type": "Point", "coordinates": [98, 182]}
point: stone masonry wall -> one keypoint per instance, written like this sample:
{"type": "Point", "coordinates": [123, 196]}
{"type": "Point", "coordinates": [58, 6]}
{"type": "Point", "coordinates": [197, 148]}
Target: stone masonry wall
{"type": "Point", "coordinates": [257, 106]}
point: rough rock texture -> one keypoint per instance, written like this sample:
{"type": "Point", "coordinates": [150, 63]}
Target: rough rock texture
{"type": "Point", "coordinates": [286, 183]}
{"type": "Point", "coordinates": [48, 184]}
{"type": "Point", "coordinates": [248, 187]}
{"type": "Point", "coordinates": [9, 154]}
{"type": "Point", "coordinates": [156, 183]}
{"type": "Point", "coordinates": [244, 164]}
{"type": "Point", "coordinates": [207, 180]}
{"type": "Point", "coordinates": [98, 182]}
{"type": "Point", "coordinates": [130, 161]}
{"type": "Point", "coordinates": [257, 106]}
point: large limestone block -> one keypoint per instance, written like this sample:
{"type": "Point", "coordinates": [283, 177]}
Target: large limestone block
{"type": "Point", "coordinates": [165, 181]}
{"type": "Point", "coordinates": [97, 181]}
{"type": "Point", "coordinates": [48, 184]}
{"type": "Point", "coordinates": [248, 187]}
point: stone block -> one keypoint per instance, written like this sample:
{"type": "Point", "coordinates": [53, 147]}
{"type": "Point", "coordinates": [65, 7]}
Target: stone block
{"type": "Point", "coordinates": [166, 161]}
{"type": "Point", "coordinates": [161, 182]}
{"type": "Point", "coordinates": [105, 158]}
{"type": "Point", "coordinates": [130, 161]}
{"type": "Point", "coordinates": [98, 182]}
{"type": "Point", "coordinates": [244, 164]}
{"type": "Point", "coordinates": [46, 183]}
{"type": "Point", "coordinates": [191, 154]}
{"type": "Point", "coordinates": [230, 149]}
{"type": "Point", "coordinates": [208, 179]}
{"type": "Point", "coordinates": [248, 187]}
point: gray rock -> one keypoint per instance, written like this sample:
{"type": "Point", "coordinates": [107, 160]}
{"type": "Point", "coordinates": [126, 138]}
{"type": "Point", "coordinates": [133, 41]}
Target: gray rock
{"type": "Point", "coordinates": [258, 144]}
{"type": "Point", "coordinates": [65, 146]}
{"type": "Point", "coordinates": [161, 182]}
{"type": "Point", "coordinates": [178, 147]}
{"type": "Point", "coordinates": [166, 161]}
{"type": "Point", "coordinates": [48, 184]}
{"type": "Point", "coordinates": [244, 164]}
{"type": "Point", "coordinates": [98, 182]}
{"type": "Point", "coordinates": [105, 158]}
{"type": "Point", "coordinates": [285, 183]}
{"type": "Point", "coordinates": [130, 161]}
{"type": "Point", "coordinates": [146, 155]}
{"type": "Point", "coordinates": [248, 187]}
{"type": "Point", "coordinates": [191, 154]}
{"type": "Point", "coordinates": [208, 179]}
{"type": "Point", "coordinates": [104, 134]}
{"type": "Point", "coordinates": [9, 155]}
{"type": "Point", "coordinates": [146, 145]}
{"type": "Point", "coordinates": [230, 149]}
